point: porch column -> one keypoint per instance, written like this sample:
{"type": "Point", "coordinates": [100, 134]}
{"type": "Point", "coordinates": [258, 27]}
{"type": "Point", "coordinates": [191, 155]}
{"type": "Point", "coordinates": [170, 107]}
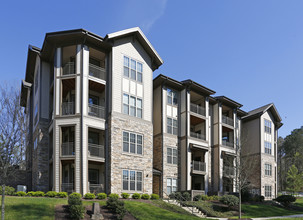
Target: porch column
{"type": "Point", "coordinates": [206, 175]}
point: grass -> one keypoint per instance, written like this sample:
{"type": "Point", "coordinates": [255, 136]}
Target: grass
{"type": "Point", "coordinates": [29, 208]}
{"type": "Point", "coordinates": [141, 210]}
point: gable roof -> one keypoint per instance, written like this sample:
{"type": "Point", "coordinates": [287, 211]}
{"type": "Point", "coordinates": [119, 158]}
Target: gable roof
{"type": "Point", "coordinates": [261, 110]}
{"type": "Point", "coordinates": [228, 101]}
{"type": "Point", "coordinates": [136, 31]}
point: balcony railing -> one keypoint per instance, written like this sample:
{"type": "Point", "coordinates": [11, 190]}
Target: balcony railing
{"type": "Point", "coordinates": [228, 171]}
{"type": "Point", "coordinates": [197, 135]}
{"type": "Point", "coordinates": [96, 188]}
{"type": "Point", "coordinates": [68, 108]}
{"type": "Point", "coordinates": [198, 166]}
{"type": "Point", "coordinates": [69, 68]}
{"type": "Point", "coordinates": [96, 150]}
{"type": "Point", "coordinates": [227, 143]}
{"type": "Point", "coordinates": [68, 149]}
{"type": "Point", "coordinates": [67, 187]}
{"type": "Point", "coordinates": [197, 109]}
{"type": "Point", "coordinates": [96, 110]}
{"type": "Point", "coordinates": [227, 120]}
{"type": "Point", "coordinates": [96, 71]}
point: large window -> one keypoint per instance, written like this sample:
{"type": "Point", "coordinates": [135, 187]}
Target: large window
{"type": "Point", "coordinates": [267, 146]}
{"type": "Point", "coordinates": [132, 143]}
{"type": "Point", "coordinates": [171, 185]}
{"type": "Point", "coordinates": [133, 69]}
{"type": "Point", "coordinates": [172, 97]}
{"type": "Point", "coordinates": [132, 180]}
{"type": "Point", "coordinates": [267, 191]}
{"type": "Point", "coordinates": [267, 169]}
{"type": "Point", "coordinates": [132, 106]}
{"type": "Point", "coordinates": [172, 155]}
{"type": "Point", "coordinates": [172, 126]}
{"type": "Point", "coordinates": [267, 126]}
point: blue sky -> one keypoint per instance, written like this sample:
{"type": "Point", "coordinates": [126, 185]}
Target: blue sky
{"type": "Point", "coordinates": [249, 51]}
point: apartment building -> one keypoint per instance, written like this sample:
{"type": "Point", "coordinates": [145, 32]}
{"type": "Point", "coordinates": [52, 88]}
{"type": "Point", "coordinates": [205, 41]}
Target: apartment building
{"type": "Point", "coordinates": [260, 129]}
{"type": "Point", "coordinates": [98, 122]}
{"type": "Point", "coordinates": [88, 101]}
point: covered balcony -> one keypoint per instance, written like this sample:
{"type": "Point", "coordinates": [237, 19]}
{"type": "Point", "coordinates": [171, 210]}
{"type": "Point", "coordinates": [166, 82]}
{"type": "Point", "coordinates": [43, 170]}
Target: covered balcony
{"type": "Point", "coordinates": [227, 116]}
{"type": "Point", "coordinates": [228, 165]}
{"type": "Point", "coordinates": [68, 60]}
{"type": "Point", "coordinates": [68, 97]}
{"type": "Point", "coordinates": [198, 165]}
{"type": "Point", "coordinates": [96, 100]}
{"type": "Point", "coordinates": [67, 143]}
{"type": "Point", "coordinates": [197, 104]}
{"type": "Point", "coordinates": [96, 143]}
{"type": "Point", "coordinates": [227, 137]}
{"type": "Point", "coordinates": [67, 184]}
{"type": "Point", "coordinates": [96, 177]}
{"type": "Point", "coordinates": [97, 64]}
{"type": "Point", "coordinates": [197, 128]}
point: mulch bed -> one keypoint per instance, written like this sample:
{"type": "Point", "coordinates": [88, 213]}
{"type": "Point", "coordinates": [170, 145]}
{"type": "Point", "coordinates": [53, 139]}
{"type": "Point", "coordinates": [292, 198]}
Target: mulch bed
{"type": "Point", "coordinates": [61, 213]}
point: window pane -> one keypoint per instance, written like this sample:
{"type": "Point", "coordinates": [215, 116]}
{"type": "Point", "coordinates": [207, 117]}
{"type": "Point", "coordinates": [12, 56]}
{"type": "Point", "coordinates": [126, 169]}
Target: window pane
{"type": "Point", "coordinates": [169, 129]}
{"type": "Point", "coordinates": [139, 113]}
{"type": "Point", "coordinates": [133, 64]}
{"type": "Point", "coordinates": [169, 151]}
{"type": "Point", "coordinates": [126, 61]}
{"type": "Point", "coordinates": [175, 160]}
{"type": "Point", "coordinates": [125, 185]}
{"type": "Point", "coordinates": [139, 103]}
{"type": "Point", "coordinates": [169, 100]}
{"type": "Point", "coordinates": [175, 131]}
{"type": "Point", "coordinates": [139, 67]}
{"type": "Point", "coordinates": [139, 176]}
{"type": "Point", "coordinates": [125, 174]}
{"type": "Point", "coordinates": [126, 71]}
{"type": "Point", "coordinates": [125, 109]}
{"type": "Point", "coordinates": [168, 182]}
{"type": "Point", "coordinates": [174, 152]}
{"type": "Point", "coordinates": [139, 149]}
{"type": "Point", "coordinates": [132, 111]}
{"type": "Point", "coordinates": [133, 74]}
{"type": "Point", "coordinates": [125, 147]}
{"type": "Point", "coordinates": [139, 186]}
{"type": "Point", "coordinates": [169, 92]}
{"type": "Point", "coordinates": [132, 148]}
{"type": "Point", "coordinates": [139, 139]}
{"type": "Point", "coordinates": [125, 136]}
{"type": "Point", "coordinates": [132, 138]}
{"type": "Point", "coordinates": [169, 159]}
{"type": "Point", "coordinates": [125, 99]}
{"type": "Point", "coordinates": [174, 182]}
{"type": "Point", "coordinates": [132, 185]}
{"type": "Point", "coordinates": [169, 121]}
{"type": "Point", "coordinates": [139, 77]}
{"type": "Point", "coordinates": [175, 123]}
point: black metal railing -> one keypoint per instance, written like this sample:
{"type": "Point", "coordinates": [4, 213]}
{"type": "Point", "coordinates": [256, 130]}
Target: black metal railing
{"type": "Point", "coordinates": [227, 120]}
{"type": "Point", "coordinates": [96, 71]}
{"type": "Point", "coordinates": [198, 135]}
{"type": "Point", "coordinates": [96, 110]}
{"type": "Point", "coordinates": [96, 150]}
{"type": "Point", "coordinates": [68, 149]}
{"type": "Point", "coordinates": [68, 108]}
{"type": "Point", "coordinates": [197, 109]}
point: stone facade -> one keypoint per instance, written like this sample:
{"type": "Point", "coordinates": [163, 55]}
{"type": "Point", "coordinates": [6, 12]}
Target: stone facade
{"type": "Point", "coordinates": [268, 180]}
{"type": "Point", "coordinates": [120, 160]}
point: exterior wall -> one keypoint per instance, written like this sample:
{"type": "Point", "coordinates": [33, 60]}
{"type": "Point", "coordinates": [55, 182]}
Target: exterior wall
{"type": "Point", "coordinates": [120, 160]}
{"type": "Point", "coordinates": [157, 110]}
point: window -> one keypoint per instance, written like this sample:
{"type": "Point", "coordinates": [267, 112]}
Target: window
{"type": "Point", "coordinates": [267, 126]}
{"type": "Point", "coordinates": [171, 185]}
{"type": "Point", "coordinates": [172, 97]}
{"type": "Point", "coordinates": [267, 147]}
{"type": "Point", "coordinates": [267, 169]}
{"type": "Point", "coordinates": [172, 155]}
{"type": "Point", "coordinates": [172, 126]}
{"type": "Point", "coordinates": [132, 106]}
{"type": "Point", "coordinates": [132, 143]}
{"type": "Point", "coordinates": [132, 180]}
{"type": "Point", "coordinates": [267, 191]}
{"type": "Point", "coordinates": [132, 69]}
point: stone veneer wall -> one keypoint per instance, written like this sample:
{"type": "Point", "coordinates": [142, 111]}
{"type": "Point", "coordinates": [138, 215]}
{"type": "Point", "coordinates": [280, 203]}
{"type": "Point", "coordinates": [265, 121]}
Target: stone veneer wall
{"type": "Point", "coordinates": [268, 180]}
{"type": "Point", "coordinates": [118, 160]}
{"type": "Point", "coordinates": [170, 170]}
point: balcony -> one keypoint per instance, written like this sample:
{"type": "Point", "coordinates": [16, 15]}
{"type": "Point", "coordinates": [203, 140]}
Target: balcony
{"type": "Point", "coordinates": [96, 188]}
{"type": "Point", "coordinates": [67, 187]}
{"type": "Point", "coordinates": [68, 69]}
{"type": "Point", "coordinates": [228, 171]}
{"type": "Point", "coordinates": [68, 149]}
{"type": "Point", "coordinates": [198, 166]}
{"type": "Point", "coordinates": [227, 143]}
{"type": "Point", "coordinates": [96, 111]}
{"type": "Point", "coordinates": [96, 71]}
{"type": "Point", "coordinates": [197, 109]}
{"type": "Point", "coordinates": [197, 135]}
{"type": "Point", "coordinates": [227, 120]}
{"type": "Point", "coordinates": [68, 108]}
{"type": "Point", "coordinates": [96, 150]}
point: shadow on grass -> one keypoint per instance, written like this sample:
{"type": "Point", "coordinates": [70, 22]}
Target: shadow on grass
{"type": "Point", "coordinates": [26, 211]}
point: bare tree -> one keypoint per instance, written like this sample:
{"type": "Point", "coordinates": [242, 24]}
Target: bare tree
{"type": "Point", "coordinates": [12, 137]}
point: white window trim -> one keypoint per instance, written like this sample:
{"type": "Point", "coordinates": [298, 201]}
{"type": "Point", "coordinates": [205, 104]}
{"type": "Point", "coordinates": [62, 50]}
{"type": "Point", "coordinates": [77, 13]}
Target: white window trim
{"type": "Point", "coordinates": [174, 93]}
{"type": "Point", "coordinates": [172, 156]}
{"type": "Point", "coordinates": [142, 181]}
{"type": "Point", "coordinates": [176, 188]}
{"type": "Point", "coordinates": [266, 191]}
{"type": "Point", "coordinates": [172, 126]}
{"type": "Point", "coordinates": [136, 144]}
{"type": "Point", "coordinates": [129, 73]}
{"type": "Point", "coordinates": [267, 148]}
{"type": "Point", "coordinates": [268, 172]}
{"type": "Point", "coordinates": [136, 108]}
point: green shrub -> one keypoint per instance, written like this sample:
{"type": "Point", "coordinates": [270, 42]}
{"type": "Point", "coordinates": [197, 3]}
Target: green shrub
{"type": "Point", "coordinates": [10, 191]}
{"type": "Point", "coordinates": [74, 199]}
{"type": "Point", "coordinates": [154, 196]}
{"type": "Point", "coordinates": [21, 193]}
{"type": "Point", "coordinates": [62, 194]}
{"type": "Point", "coordinates": [136, 196]}
{"type": "Point", "coordinates": [145, 196]}
{"type": "Point", "coordinates": [125, 195]}
{"type": "Point", "coordinates": [186, 196]}
{"type": "Point", "coordinates": [198, 198]}
{"type": "Point", "coordinates": [39, 194]}
{"type": "Point", "coordinates": [101, 196]}
{"type": "Point", "coordinates": [285, 200]}
{"type": "Point", "coordinates": [213, 198]}
{"type": "Point", "coordinates": [113, 195]}
{"type": "Point", "coordinates": [117, 206]}
{"type": "Point", "coordinates": [76, 211]}
{"type": "Point", "coordinates": [51, 194]}
{"type": "Point", "coordinates": [30, 193]}
{"type": "Point", "coordinates": [176, 196]}
{"type": "Point", "coordinates": [229, 200]}
{"type": "Point", "coordinates": [89, 196]}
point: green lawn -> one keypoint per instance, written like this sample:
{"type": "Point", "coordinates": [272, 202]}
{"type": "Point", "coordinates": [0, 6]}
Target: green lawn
{"type": "Point", "coordinates": [31, 207]}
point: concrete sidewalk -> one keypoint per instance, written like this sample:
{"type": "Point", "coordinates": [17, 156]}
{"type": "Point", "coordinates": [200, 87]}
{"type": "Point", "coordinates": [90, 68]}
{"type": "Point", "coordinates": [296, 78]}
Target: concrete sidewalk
{"type": "Point", "coordinates": [300, 216]}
